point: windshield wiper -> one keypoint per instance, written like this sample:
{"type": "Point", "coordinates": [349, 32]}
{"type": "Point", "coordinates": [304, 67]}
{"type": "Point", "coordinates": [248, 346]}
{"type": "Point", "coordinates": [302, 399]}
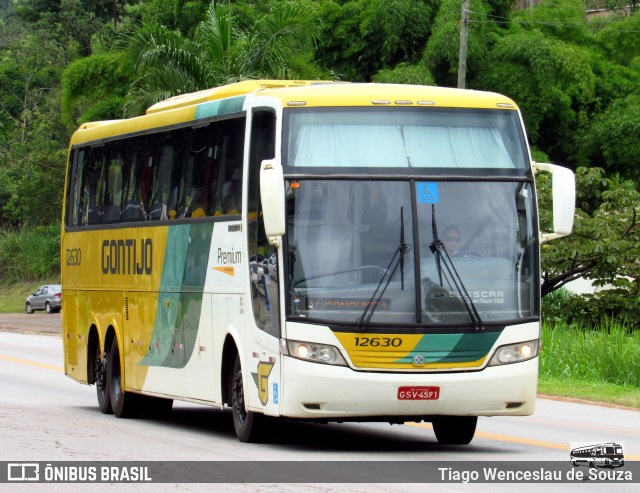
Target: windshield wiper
{"type": "Point", "coordinates": [396, 261]}
{"type": "Point", "coordinates": [453, 278]}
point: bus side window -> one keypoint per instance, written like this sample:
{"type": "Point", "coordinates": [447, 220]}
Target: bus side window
{"type": "Point", "coordinates": [196, 175]}
{"type": "Point", "coordinates": [134, 207]}
{"type": "Point", "coordinates": [78, 200]}
{"type": "Point", "coordinates": [93, 184]}
{"type": "Point", "coordinates": [112, 204]}
{"type": "Point", "coordinates": [162, 162]}
{"type": "Point", "coordinates": [230, 139]}
{"type": "Point", "coordinates": [177, 190]}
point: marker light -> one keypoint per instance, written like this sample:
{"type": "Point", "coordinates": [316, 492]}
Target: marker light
{"type": "Point", "coordinates": [515, 353]}
{"type": "Point", "coordinates": [316, 353]}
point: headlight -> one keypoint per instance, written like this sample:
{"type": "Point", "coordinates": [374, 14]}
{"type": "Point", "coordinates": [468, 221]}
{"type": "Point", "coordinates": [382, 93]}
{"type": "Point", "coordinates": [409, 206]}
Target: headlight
{"type": "Point", "coordinates": [515, 353]}
{"type": "Point", "coordinates": [315, 352]}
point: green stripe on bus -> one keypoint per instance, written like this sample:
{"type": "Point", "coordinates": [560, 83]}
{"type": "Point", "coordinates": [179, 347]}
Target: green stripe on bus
{"type": "Point", "coordinates": [219, 107]}
{"type": "Point", "coordinates": [449, 348]}
{"type": "Point", "coordinates": [178, 313]}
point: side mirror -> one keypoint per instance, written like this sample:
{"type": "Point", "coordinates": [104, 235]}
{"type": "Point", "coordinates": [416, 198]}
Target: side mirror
{"type": "Point", "coordinates": [272, 198]}
{"type": "Point", "coordinates": [564, 200]}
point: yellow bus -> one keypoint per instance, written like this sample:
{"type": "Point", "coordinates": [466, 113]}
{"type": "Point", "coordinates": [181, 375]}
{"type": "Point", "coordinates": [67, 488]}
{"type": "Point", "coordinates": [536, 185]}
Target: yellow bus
{"type": "Point", "coordinates": [310, 250]}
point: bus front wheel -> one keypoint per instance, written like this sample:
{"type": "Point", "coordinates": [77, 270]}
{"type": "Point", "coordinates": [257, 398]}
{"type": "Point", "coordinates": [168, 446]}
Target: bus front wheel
{"type": "Point", "coordinates": [124, 404]}
{"type": "Point", "coordinates": [454, 430]}
{"type": "Point", "coordinates": [245, 423]}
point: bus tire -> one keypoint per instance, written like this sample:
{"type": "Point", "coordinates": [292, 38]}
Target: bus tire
{"type": "Point", "coordinates": [124, 404]}
{"type": "Point", "coordinates": [102, 388]}
{"type": "Point", "coordinates": [246, 423]}
{"type": "Point", "coordinates": [454, 430]}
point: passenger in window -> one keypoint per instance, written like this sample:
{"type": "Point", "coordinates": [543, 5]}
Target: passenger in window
{"type": "Point", "coordinates": [232, 194]}
{"type": "Point", "coordinates": [198, 203]}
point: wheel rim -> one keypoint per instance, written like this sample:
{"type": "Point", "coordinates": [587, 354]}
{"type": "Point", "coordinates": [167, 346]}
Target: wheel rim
{"type": "Point", "coordinates": [47, 307]}
{"type": "Point", "coordinates": [29, 309]}
{"type": "Point", "coordinates": [117, 381]}
{"type": "Point", "coordinates": [101, 372]}
{"type": "Point", "coordinates": [237, 398]}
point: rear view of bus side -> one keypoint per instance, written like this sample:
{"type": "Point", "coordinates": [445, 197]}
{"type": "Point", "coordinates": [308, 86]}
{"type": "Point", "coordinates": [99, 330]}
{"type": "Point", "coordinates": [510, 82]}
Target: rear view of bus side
{"type": "Point", "coordinates": [310, 250]}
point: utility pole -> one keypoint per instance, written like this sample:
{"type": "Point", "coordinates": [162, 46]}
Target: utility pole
{"type": "Point", "coordinates": [464, 36]}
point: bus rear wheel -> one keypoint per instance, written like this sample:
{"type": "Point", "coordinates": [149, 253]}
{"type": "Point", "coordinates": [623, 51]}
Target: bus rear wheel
{"type": "Point", "coordinates": [454, 430]}
{"type": "Point", "coordinates": [246, 423]}
{"type": "Point", "coordinates": [124, 404]}
{"type": "Point", "coordinates": [102, 389]}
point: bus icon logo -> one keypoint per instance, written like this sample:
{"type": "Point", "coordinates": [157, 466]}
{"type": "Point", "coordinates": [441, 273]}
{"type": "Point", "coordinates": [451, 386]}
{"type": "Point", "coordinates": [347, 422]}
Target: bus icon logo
{"type": "Point", "coordinates": [22, 471]}
{"type": "Point", "coordinates": [601, 455]}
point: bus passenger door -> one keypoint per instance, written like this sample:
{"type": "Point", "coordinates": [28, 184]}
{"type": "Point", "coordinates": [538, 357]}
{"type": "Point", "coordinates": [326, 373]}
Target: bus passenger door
{"type": "Point", "coordinates": [263, 318]}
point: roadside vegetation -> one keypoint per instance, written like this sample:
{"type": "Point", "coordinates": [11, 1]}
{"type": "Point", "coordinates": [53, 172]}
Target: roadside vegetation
{"type": "Point", "coordinates": [29, 253]}
{"type": "Point", "coordinates": [600, 363]}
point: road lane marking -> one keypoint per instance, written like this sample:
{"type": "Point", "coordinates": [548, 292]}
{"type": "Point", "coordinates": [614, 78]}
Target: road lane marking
{"type": "Point", "coordinates": [27, 362]}
{"type": "Point", "coordinates": [482, 434]}
{"type": "Point", "coordinates": [523, 441]}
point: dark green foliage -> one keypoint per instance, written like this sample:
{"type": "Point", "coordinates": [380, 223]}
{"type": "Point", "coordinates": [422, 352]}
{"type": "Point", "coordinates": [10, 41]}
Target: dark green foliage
{"type": "Point", "coordinates": [612, 140]}
{"type": "Point", "coordinates": [94, 89]}
{"type": "Point", "coordinates": [30, 253]}
{"type": "Point", "coordinates": [604, 247]}
{"type": "Point", "coordinates": [164, 63]}
{"type": "Point", "coordinates": [550, 80]}
{"type": "Point", "coordinates": [620, 40]}
{"type": "Point", "coordinates": [404, 73]}
{"type": "Point", "coordinates": [363, 36]}
{"type": "Point", "coordinates": [442, 51]}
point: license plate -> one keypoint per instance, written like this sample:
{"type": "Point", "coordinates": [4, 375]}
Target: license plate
{"type": "Point", "coordinates": [418, 393]}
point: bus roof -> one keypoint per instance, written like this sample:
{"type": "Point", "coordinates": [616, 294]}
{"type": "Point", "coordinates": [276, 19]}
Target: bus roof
{"type": "Point", "coordinates": [291, 93]}
{"type": "Point", "coordinates": [324, 93]}
{"type": "Point", "coordinates": [372, 94]}
{"type": "Point", "coordinates": [230, 90]}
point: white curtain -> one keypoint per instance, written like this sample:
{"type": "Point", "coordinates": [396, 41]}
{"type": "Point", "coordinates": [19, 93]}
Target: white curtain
{"type": "Point", "coordinates": [398, 146]}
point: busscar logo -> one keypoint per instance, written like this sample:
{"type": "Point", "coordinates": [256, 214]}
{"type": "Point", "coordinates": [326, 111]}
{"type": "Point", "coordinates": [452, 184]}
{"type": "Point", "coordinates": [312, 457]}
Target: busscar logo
{"type": "Point", "coordinates": [23, 471]}
{"type": "Point", "coordinates": [609, 455]}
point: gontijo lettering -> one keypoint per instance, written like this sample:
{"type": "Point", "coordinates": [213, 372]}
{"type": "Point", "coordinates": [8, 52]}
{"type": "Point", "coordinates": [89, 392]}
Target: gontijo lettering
{"type": "Point", "coordinates": [127, 256]}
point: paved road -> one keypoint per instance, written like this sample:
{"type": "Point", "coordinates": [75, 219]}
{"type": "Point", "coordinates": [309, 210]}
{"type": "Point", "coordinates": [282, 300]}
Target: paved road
{"type": "Point", "coordinates": [46, 416]}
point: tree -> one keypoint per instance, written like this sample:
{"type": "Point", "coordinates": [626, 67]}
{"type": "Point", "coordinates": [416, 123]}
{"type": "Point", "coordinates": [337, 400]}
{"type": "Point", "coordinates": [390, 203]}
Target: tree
{"type": "Point", "coordinates": [551, 81]}
{"type": "Point", "coordinates": [604, 246]}
{"type": "Point", "coordinates": [363, 36]}
{"type": "Point", "coordinates": [621, 40]}
{"type": "Point", "coordinates": [403, 73]}
{"type": "Point", "coordinates": [31, 168]}
{"type": "Point", "coordinates": [165, 63]}
{"type": "Point", "coordinates": [93, 89]}
{"type": "Point", "coordinates": [565, 21]}
{"type": "Point", "coordinates": [442, 51]}
{"type": "Point", "coordinates": [612, 139]}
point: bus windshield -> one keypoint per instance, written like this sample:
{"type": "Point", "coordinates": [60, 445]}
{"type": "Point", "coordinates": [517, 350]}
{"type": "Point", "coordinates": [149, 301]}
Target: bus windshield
{"type": "Point", "coordinates": [405, 138]}
{"type": "Point", "coordinates": [473, 249]}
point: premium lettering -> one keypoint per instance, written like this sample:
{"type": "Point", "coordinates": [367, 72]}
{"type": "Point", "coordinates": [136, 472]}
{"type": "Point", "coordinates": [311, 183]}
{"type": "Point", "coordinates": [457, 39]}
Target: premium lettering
{"type": "Point", "coordinates": [229, 257]}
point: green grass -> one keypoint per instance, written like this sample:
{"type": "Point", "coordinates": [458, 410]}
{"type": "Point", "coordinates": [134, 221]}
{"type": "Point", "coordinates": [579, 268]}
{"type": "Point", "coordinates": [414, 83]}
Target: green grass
{"type": "Point", "coordinates": [619, 395]}
{"type": "Point", "coordinates": [598, 364]}
{"type": "Point", "coordinates": [13, 295]}
{"type": "Point", "coordinates": [609, 353]}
